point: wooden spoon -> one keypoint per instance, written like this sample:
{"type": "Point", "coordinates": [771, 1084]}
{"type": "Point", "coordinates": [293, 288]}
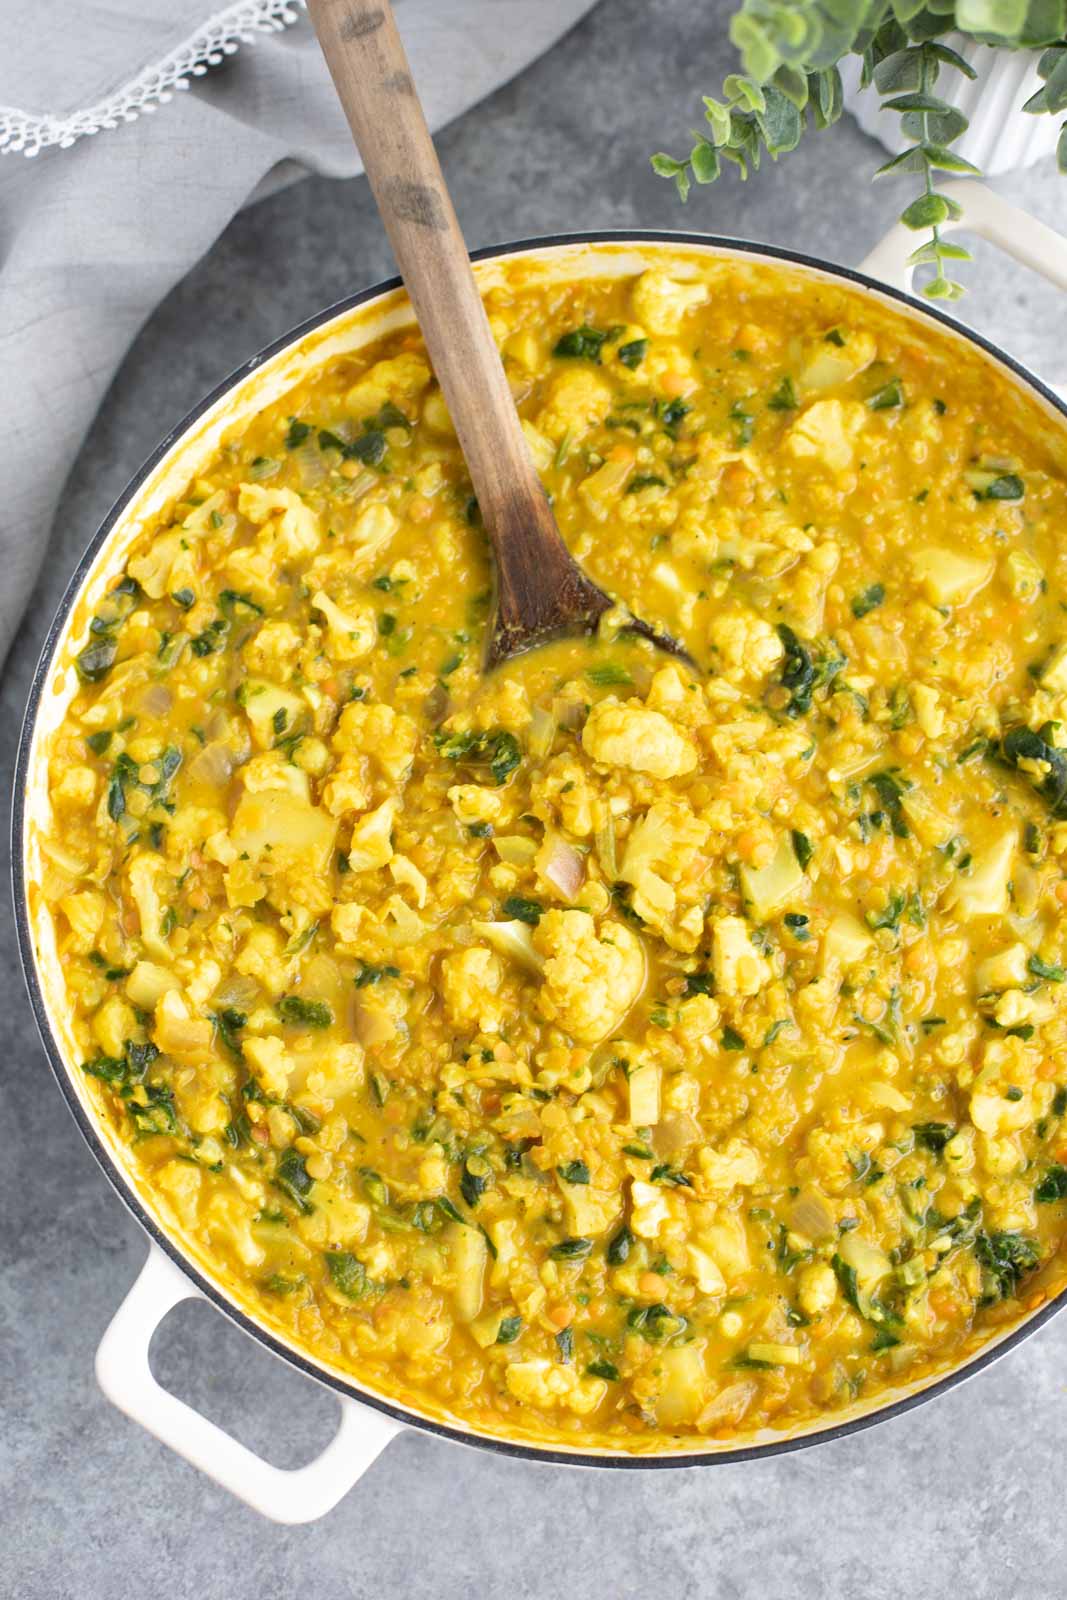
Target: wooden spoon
{"type": "Point", "coordinates": [541, 592]}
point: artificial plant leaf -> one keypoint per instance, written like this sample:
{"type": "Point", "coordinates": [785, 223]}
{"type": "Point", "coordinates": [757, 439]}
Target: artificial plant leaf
{"type": "Point", "coordinates": [704, 162]}
{"type": "Point", "coordinates": [1005, 18]}
{"type": "Point", "coordinates": [905, 10]}
{"type": "Point", "coordinates": [794, 85]}
{"type": "Point", "coordinates": [717, 117]}
{"type": "Point", "coordinates": [952, 58]}
{"type": "Point", "coordinates": [759, 55]}
{"type": "Point", "coordinates": [1056, 86]}
{"type": "Point", "coordinates": [837, 37]}
{"type": "Point", "coordinates": [937, 127]}
{"type": "Point", "coordinates": [928, 211]}
{"type": "Point", "coordinates": [901, 72]}
{"type": "Point", "coordinates": [947, 160]}
{"type": "Point", "coordinates": [1046, 22]}
{"type": "Point", "coordinates": [907, 161]}
{"type": "Point", "coordinates": [939, 250]}
{"type": "Point", "coordinates": [928, 25]}
{"type": "Point", "coordinates": [1061, 149]}
{"type": "Point", "coordinates": [942, 289]}
{"type": "Point", "coordinates": [916, 102]}
{"type": "Point", "coordinates": [780, 124]}
{"type": "Point", "coordinates": [743, 93]}
{"type": "Point", "coordinates": [667, 167]}
{"type": "Point", "coordinates": [828, 98]}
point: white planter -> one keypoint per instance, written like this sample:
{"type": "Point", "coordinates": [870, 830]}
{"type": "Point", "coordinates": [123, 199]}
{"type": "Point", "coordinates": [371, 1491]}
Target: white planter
{"type": "Point", "coordinates": [1001, 137]}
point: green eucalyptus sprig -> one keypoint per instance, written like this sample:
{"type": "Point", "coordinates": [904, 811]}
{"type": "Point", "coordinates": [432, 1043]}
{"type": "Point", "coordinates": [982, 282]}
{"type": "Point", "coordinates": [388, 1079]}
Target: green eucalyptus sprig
{"type": "Point", "coordinates": [790, 52]}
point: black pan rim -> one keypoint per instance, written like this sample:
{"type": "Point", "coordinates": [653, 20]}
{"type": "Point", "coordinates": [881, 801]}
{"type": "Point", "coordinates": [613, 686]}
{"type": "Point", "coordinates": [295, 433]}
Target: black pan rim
{"type": "Point", "coordinates": [111, 1167]}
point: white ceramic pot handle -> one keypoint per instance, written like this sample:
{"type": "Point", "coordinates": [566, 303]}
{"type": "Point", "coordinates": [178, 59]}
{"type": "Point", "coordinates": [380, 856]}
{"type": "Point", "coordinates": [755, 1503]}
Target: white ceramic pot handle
{"type": "Point", "coordinates": [988, 215]}
{"type": "Point", "coordinates": [123, 1372]}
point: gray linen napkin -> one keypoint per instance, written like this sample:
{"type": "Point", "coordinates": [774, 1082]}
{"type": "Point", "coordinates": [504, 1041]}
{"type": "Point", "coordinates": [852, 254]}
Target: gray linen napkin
{"type": "Point", "coordinates": [94, 235]}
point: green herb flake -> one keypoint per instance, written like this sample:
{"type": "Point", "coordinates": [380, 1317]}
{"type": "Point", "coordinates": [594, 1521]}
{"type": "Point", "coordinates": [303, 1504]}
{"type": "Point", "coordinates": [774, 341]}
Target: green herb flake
{"type": "Point", "coordinates": [300, 1013]}
{"type": "Point", "coordinates": [869, 600]}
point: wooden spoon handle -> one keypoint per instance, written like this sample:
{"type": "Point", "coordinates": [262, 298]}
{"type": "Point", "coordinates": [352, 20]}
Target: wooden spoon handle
{"type": "Point", "coordinates": [366, 58]}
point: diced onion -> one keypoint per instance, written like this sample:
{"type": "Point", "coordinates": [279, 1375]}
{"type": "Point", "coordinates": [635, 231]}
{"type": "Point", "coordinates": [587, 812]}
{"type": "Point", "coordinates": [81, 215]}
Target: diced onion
{"type": "Point", "coordinates": [310, 463]}
{"type": "Point", "coordinates": [157, 700]}
{"type": "Point", "coordinates": [237, 991]}
{"type": "Point", "coordinates": [568, 713]}
{"type": "Point", "coordinates": [542, 732]}
{"type": "Point", "coordinates": [563, 867]}
{"type": "Point", "coordinates": [605, 849]}
{"type": "Point", "coordinates": [811, 1216]}
{"type": "Point", "coordinates": [214, 765]}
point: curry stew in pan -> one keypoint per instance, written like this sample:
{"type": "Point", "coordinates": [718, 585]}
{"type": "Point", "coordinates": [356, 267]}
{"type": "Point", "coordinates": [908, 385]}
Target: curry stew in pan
{"type": "Point", "coordinates": [596, 1052]}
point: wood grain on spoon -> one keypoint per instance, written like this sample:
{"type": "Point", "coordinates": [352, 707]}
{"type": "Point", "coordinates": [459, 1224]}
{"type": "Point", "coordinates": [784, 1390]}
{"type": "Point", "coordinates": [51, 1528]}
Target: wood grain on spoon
{"type": "Point", "coordinates": [541, 592]}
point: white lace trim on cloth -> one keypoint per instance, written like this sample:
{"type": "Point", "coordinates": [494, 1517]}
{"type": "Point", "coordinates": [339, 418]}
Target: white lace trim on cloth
{"type": "Point", "coordinates": [29, 133]}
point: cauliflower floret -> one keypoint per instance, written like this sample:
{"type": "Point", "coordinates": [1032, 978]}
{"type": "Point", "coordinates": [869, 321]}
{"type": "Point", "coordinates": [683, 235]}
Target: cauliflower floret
{"type": "Point", "coordinates": [470, 983]}
{"type": "Point", "coordinates": [267, 1060]}
{"type": "Point", "coordinates": [113, 1024]}
{"type": "Point", "coordinates": [297, 525]}
{"type": "Point", "coordinates": [564, 790]}
{"type": "Point", "coordinates": [372, 839]}
{"type": "Point", "coordinates": [352, 633]}
{"type": "Point", "coordinates": [146, 874]}
{"type": "Point", "coordinates": [658, 851]}
{"type": "Point", "coordinates": [272, 773]}
{"type": "Point", "coordinates": [76, 789]}
{"type": "Point", "coordinates": [395, 379]}
{"type": "Point", "coordinates": [825, 431]}
{"type": "Point", "coordinates": [708, 1275]}
{"type": "Point", "coordinates": [379, 731]}
{"type": "Point", "coordinates": [577, 400]}
{"type": "Point", "coordinates": [177, 1031]}
{"type": "Point", "coordinates": [541, 1382]}
{"type": "Point", "coordinates": [993, 1114]}
{"type": "Point", "coordinates": [347, 788]}
{"type": "Point", "coordinates": [632, 736]}
{"type": "Point", "coordinates": [735, 1166]}
{"type": "Point", "coordinates": [405, 873]}
{"type": "Point", "coordinates": [837, 359]}
{"type": "Point", "coordinates": [151, 568]}
{"type": "Point", "coordinates": [272, 650]}
{"type": "Point", "coordinates": [591, 978]}
{"type": "Point", "coordinates": [660, 301]}
{"type": "Point", "coordinates": [737, 965]}
{"type": "Point", "coordinates": [746, 646]}
{"type": "Point", "coordinates": [346, 919]}
{"type": "Point", "coordinates": [816, 1288]}
{"type": "Point", "coordinates": [374, 524]}
{"type": "Point", "coordinates": [85, 914]}
{"type": "Point", "coordinates": [726, 1242]}
{"type": "Point", "coordinates": [929, 713]}
{"type": "Point", "coordinates": [474, 802]}
{"type": "Point", "coordinates": [649, 1209]}
{"type": "Point", "coordinates": [677, 696]}
{"type": "Point", "coordinates": [180, 1182]}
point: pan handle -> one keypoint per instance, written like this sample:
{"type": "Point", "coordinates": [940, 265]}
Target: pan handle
{"type": "Point", "coordinates": [990, 216]}
{"type": "Point", "coordinates": [123, 1373]}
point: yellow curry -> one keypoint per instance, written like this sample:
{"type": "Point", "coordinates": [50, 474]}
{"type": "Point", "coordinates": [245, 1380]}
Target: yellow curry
{"type": "Point", "coordinates": [597, 1052]}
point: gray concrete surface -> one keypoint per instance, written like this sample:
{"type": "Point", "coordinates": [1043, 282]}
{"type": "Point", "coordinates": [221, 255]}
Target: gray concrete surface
{"type": "Point", "coordinates": [962, 1497]}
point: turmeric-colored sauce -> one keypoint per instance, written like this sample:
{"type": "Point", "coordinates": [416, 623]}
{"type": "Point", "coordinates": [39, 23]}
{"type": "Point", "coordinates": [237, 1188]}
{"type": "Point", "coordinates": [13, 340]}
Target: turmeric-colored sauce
{"type": "Point", "coordinates": [597, 1052]}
